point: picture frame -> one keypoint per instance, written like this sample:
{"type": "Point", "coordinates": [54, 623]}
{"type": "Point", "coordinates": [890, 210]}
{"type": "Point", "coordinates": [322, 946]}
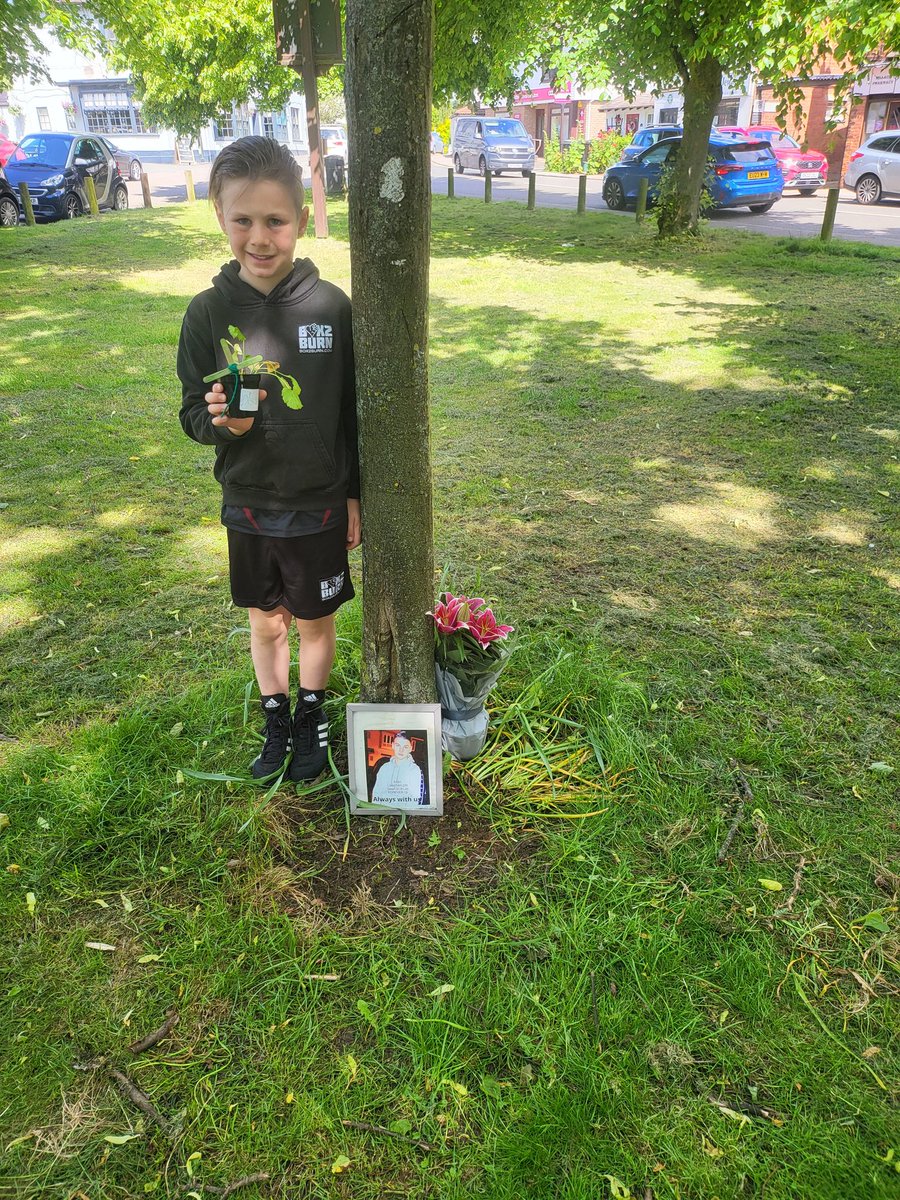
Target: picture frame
{"type": "Point", "coordinates": [395, 759]}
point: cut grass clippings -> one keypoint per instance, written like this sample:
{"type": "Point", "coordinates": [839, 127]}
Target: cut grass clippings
{"type": "Point", "coordinates": [676, 467]}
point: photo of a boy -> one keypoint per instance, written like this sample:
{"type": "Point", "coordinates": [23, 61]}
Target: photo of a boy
{"type": "Point", "coordinates": [400, 780]}
{"type": "Point", "coordinates": [289, 478]}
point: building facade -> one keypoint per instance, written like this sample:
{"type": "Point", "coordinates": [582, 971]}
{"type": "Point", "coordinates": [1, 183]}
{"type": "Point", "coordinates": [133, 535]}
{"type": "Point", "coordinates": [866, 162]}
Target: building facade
{"type": "Point", "coordinates": [83, 94]}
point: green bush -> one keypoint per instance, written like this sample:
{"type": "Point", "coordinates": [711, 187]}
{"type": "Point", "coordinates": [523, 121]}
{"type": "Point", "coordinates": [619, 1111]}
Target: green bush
{"type": "Point", "coordinates": [606, 149]}
{"type": "Point", "coordinates": [553, 159]}
{"type": "Point", "coordinates": [573, 157]}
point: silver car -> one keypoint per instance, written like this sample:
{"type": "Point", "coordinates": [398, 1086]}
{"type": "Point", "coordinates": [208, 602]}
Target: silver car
{"type": "Point", "coordinates": [874, 169]}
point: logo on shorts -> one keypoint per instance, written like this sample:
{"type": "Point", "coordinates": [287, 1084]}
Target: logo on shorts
{"type": "Point", "coordinates": [315, 339]}
{"type": "Point", "coordinates": [331, 587]}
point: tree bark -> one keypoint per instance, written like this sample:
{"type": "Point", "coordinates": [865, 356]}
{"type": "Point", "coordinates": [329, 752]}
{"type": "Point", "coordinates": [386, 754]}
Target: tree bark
{"type": "Point", "coordinates": [388, 89]}
{"type": "Point", "coordinates": [702, 81]}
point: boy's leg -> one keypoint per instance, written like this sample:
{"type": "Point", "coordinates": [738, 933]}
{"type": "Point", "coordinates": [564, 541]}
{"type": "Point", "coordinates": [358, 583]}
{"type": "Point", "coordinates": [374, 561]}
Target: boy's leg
{"type": "Point", "coordinates": [270, 649]}
{"type": "Point", "coordinates": [318, 640]}
{"type": "Point", "coordinates": [271, 654]}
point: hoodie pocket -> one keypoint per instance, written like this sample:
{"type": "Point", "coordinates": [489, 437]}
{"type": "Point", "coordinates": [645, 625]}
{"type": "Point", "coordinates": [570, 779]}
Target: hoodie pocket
{"type": "Point", "coordinates": [285, 458]}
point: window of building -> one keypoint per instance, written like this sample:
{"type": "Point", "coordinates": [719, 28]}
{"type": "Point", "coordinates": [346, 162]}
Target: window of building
{"type": "Point", "coordinates": [44, 118]}
{"type": "Point", "coordinates": [223, 128]}
{"type": "Point", "coordinates": [668, 116]}
{"type": "Point", "coordinates": [727, 112]}
{"type": "Point", "coordinates": [111, 111]}
{"type": "Point", "coordinates": [295, 125]}
{"type": "Point", "coordinates": [268, 125]}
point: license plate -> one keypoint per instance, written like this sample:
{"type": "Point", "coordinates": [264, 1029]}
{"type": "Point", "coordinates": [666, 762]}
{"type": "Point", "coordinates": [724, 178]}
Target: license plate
{"type": "Point", "coordinates": [808, 175]}
{"type": "Point", "coordinates": [757, 174]}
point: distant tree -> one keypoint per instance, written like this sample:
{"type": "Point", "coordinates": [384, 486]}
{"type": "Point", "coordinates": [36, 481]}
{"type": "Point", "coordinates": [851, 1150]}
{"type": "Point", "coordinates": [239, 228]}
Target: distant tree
{"type": "Point", "coordinates": [645, 44]}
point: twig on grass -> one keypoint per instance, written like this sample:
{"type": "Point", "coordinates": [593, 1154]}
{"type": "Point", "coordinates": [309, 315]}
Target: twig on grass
{"type": "Point", "coordinates": [327, 978]}
{"type": "Point", "coordinates": [154, 1038]}
{"type": "Point", "coordinates": [746, 797]}
{"type": "Point", "coordinates": [229, 1189]}
{"type": "Point", "coordinates": [798, 879]}
{"type": "Point", "coordinates": [132, 1092]}
{"type": "Point", "coordinates": [365, 1127]}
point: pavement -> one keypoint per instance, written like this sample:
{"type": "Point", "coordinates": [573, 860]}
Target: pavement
{"type": "Point", "coordinates": [793, 216]}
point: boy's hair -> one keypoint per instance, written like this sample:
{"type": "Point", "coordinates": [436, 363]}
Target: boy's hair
{"type": "Point", "coordinates": [253, 158]}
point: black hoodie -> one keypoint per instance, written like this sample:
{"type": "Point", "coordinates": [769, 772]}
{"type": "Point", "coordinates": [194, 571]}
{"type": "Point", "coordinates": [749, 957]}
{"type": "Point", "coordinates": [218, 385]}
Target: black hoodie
{"type": "Point", "coordinates": [289, 460]}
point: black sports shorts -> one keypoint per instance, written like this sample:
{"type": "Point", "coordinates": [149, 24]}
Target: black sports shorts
{"type": "Point", "coordinates": [308, 575]}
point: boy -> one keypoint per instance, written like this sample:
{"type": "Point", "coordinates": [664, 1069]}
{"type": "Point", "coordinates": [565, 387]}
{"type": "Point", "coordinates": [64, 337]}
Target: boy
{"type": "Point", "coordinates": [290, 479]}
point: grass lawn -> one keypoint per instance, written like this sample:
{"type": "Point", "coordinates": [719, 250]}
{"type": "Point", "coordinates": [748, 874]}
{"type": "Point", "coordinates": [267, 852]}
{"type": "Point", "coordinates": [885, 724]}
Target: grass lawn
{"type": "Point", "coordinates": [676, 469]}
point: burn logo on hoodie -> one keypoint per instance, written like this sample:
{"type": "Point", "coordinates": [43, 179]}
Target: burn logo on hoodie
{"type": "Point", "coordinates": [315, 339]}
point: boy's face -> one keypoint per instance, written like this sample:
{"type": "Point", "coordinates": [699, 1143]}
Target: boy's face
{"type": "Point", "coordinates": [262, 224]}
{"type": "Point", "coordinates": [402, 748]}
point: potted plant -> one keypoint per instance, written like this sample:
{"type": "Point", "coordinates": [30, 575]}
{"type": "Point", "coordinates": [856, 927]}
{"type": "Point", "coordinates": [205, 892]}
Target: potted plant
{"type": "Point", "coordinates": [469, 655]}
{"type": "Point", "coordinates": [241, 378]}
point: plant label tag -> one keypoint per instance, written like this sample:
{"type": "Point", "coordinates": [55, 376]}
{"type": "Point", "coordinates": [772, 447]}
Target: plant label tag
{"type": "Point", "coordinates": [249, 401]}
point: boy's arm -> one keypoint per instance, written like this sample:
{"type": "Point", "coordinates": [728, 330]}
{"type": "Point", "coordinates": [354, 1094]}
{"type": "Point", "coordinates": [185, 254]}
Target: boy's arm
{"type": "Point", "coordinates": [196, 358]}
{"type": "Point", "coordinates": [348, 415]}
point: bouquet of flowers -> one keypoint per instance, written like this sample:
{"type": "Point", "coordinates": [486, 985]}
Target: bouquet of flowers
{"type": "Point", "coordinates": [469, 656]}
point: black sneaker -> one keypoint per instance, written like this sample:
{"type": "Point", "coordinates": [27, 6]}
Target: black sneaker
{"type": "Point", "coordinates": [277, 747]}
{"type": "Point", "coordinates": [310, 738]}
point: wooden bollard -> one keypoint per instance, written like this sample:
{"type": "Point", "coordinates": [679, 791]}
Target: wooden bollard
{"type": "Point", "coordinates": [641, 208]}
{"type": "Point", "coordinates": [91, 188]}
{"type": "Point", "coordinates": [451, 183]}
{"type": "Point", "coordinates": [831, 203]}
{"type": "Point", "coordinates": [531, 180]}
{"type": "Point", "coordinates": [145, 189]}
{"type": "Point", "coordinates": [189, 184]}
{"type": "Point", "coordinates": [582, 195]}
{"type": "Point", "coordinates": [26, 204]}
{"type": "Point", "coordinates": [487, 187]}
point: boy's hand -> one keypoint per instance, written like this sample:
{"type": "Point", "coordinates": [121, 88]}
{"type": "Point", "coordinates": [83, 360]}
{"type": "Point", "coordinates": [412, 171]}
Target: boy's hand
{"type": "Point", "coordinates": [354, 526]}
{"type": "Point", "coordinates": [215, 403]}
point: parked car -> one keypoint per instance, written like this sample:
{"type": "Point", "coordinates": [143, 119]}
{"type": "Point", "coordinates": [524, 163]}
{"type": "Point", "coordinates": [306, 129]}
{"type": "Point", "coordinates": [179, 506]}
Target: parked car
{"type": "Point", "coordinates": [6, 149]}
{"type": "Point", "coordinates": [805, 170]}
{"type": "Point", "coordinates": [130, 166]}
{"type": "Point", "coordinates": [645, 138]}
{"type": "Point", "coordinates": [740, 173]}
{"type": "Point", "coordinates": [874, 169]}
{"type": "Point", "coordinates": [334, 140]}
{"type": "Point", "coordinates": [55, 167]}
{"type": "Point", "coordinates": [9, 203]}
{"type": "Point", "coordinates": [488, 144]}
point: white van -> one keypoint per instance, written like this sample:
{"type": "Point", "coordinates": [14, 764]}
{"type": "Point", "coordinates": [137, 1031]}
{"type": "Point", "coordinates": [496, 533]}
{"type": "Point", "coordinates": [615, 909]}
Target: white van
{"type": "Point", "coordinates": [495, 144]}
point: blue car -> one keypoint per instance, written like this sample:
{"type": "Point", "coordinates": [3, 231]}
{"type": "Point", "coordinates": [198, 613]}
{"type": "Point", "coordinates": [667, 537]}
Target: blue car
{"type": "Point", "coordinates": [55, 167]}
{"type": "Point", "coordinates": [645, 138]}
{"type": "Point", "coordinates": [741, 172]}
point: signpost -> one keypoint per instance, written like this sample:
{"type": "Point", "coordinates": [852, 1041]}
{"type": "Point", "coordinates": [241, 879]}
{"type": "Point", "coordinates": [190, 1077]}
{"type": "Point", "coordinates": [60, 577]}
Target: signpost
{"type": "Point", "coordinates": [308, 39]}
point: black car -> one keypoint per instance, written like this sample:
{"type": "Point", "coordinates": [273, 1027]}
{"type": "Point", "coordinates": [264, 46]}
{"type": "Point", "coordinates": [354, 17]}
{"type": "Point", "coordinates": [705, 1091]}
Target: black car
{"type": "Point", "coordinates": [9, 205]}
{"type": "Point", "coordinates": [129, 164]}
{"type": "Point", "coordinates": [55, 167]}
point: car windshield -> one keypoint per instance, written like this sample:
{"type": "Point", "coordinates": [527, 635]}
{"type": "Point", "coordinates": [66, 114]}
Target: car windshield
{"type": "Point", "coordinates": [44, 151]}
{"type": "Point", "coordinates": [782, 140]}
{"type": "Point", "coordinates": [505, 128]}
{"type": "Point", "coordinates": [748, 152]}
{"type": "Point", "coordinates": [331, 131]}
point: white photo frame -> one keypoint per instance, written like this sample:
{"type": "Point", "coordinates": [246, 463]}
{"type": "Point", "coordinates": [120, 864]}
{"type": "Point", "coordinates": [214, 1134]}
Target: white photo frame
{"type": "Point", "coordinates": [395, 759]}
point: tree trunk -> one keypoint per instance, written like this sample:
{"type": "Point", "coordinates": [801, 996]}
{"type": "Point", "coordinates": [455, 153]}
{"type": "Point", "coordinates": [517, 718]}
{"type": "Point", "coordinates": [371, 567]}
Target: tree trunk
{"type": "Point", "coordinates": [702, 83]}
{"type": "Point", "coordinates": [388, 88]}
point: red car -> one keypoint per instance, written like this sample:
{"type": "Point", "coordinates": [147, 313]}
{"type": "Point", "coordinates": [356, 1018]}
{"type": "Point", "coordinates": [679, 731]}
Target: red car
{"type": "Point", "coordinates": [805, 170]}
{"type": "Point", "coordinates": [6, 149]}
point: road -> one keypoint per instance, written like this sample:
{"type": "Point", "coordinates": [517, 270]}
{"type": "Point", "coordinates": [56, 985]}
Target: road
{"type": "Point", "coordinates": [793, 216]}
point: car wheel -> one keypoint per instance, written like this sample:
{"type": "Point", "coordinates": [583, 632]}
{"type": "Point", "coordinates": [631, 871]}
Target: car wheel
{"type": "Point", "coordinates": [458, 168]}
{"type": "Point", "coordinates": [868, 189]}
{"type": "Point", "coordinates": [807, 191]}
{"type": "Point", "coordinates": [120, 198]}
{"type": "Point", "coordinates": [482, 166]}
{"type": "Point", "coordinates": [136, 169]}
{"type": "Point", "coordinates": [9, 213]}
{"type": "Point", "coordinates": [614, 194]}
{"type": "Point", "coordinates": [760, 208]}
{"type": "Point", "coordinates": [73, 206]}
